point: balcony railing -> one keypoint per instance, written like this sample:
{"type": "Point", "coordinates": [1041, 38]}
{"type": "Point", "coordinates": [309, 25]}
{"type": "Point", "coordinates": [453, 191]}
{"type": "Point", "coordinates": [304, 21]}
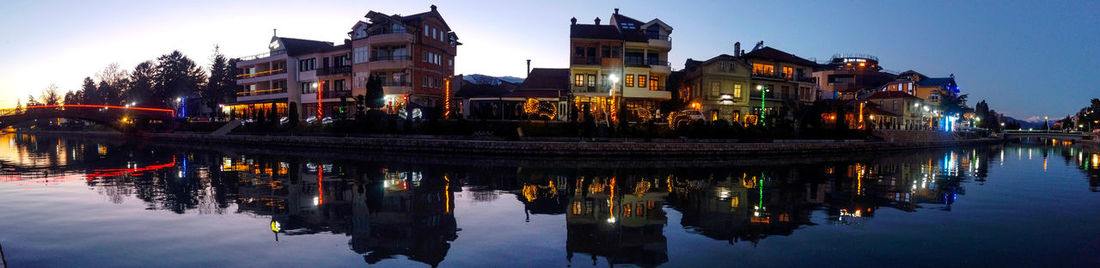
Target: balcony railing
{"type": "Point", "coordinates": [334, 70]}
{"type": "Point", "coordinates": [658, 37]}
{"type": "Point", "coordinates": [261, 92]}
{"type": "Point", "coordinates": [396, 83]}
{"type": "Point", "coordinates": [330, 94]}
{"type": "Point", "coordinates": [804, 79]}
{"type": "Point", "coordinates": [382, 58]}
{"type": "Point", "coordinates": [263, 55]}
{"type": "Point", "coordinates": [260, 74]}
{"type": "Point", "coordinates": [388, 30]}
{"type": "Point", "coordinates": [644, 63]}
{"type": "Point", "coordinates": [586, 61]}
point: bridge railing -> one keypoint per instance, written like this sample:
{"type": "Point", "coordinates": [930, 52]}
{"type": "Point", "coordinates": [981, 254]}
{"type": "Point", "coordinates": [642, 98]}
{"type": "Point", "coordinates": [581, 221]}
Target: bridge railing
{"type": "Point", "coordinates": [84, 107]}
{"type": "Point", "coordinates": [1042, 132]}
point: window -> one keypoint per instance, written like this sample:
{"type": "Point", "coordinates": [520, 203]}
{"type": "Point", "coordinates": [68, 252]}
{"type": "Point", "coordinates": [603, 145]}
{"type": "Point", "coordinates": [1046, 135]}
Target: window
{"type": "Point", "coordinates": [424, 56]}
{"type": "Point", "coordinates": [737, 90]}
{"type": "Point", "coordinates": [788, 72]}
{"type": "Point", "coordinates": [762, 69]}
{"type": "Point", "coordinates": [578, 52]}
{"type": "Point", "coordinates": [591, 80]}
{"type": "Point", "coordinates": [309, 87]}
{"type": "Point", "coordinates": [361, 32]}
{"type": "Point", "coordinates": [434, 34]}
{"type": "Point", "coordinates": [425, 30]}
{"type": "Point", "coordinates": [641, 80]}
{"type": "Point", "coordinates": [307, 65]}
{"type": "Point", "coordinates": [630, 80]}
{"type": "Point", "coordinates": [786, 90]}
{"type": "Point", "coordinates": [578, 80]}
{"type": "Point", "coordinates": [360, 54]}
{"type": "Point", "coordinates": [654, 83]}
{"type": "Point", "coordinates": [605, 51]}
{"type": "Point", "coordinates": [714, 88]}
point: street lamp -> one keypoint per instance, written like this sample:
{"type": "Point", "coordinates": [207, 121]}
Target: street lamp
{"type": "Point", "coordinates": [763, 90]}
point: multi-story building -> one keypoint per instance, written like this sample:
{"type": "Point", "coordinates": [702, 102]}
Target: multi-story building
{"type": "Point", "coordinates": [930, 89]}
{"type": "Point", "coordinates": [781, 78]}
{"type": "Point", "coordinates": [620, 66]}
{"type": "Point", "coordinates": [849, 76]}
{"type": "Point", "coordinates": [413, 55]}
{"type": "Point", "coordinates": [901, 111]}
{"type": "Point", "coordinates": [719, 87]}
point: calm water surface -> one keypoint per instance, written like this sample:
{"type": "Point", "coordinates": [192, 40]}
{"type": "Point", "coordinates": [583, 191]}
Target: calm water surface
{"type": "Point", "coordinates": [68, 202]}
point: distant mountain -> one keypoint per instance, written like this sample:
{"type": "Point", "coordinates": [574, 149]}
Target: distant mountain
{"type": "Point", "coordinates": [490, 80]}
{"type": "Point", "coordinates": [1032, 122]}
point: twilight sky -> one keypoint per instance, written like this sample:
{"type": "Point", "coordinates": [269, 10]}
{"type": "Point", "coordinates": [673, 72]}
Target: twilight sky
{"type": "Point", "coordinates": [1026, 58]}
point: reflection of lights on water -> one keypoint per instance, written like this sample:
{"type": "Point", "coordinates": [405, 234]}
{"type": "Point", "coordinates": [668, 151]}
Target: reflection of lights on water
{"type": "Point", "coordinates": [611, 220]}
{"type": "Point", "coordinates": [316, 200]}
{"type": "Point", "coordinates": [1029, 152]}
{"type": "Point", "coordinates": [1002, 157]}
{"type": "Point", "coordinates": [1095, 160]}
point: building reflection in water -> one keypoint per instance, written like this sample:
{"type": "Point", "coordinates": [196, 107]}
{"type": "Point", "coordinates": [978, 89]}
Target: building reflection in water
{"type": "Point", "coordinates": [618, 215]}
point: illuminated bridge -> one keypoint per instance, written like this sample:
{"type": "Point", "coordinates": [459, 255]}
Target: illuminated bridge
{"type": "Point", "coordinates": [1047, 134]}
{"type": "Point", "coordinates": [122, 118]}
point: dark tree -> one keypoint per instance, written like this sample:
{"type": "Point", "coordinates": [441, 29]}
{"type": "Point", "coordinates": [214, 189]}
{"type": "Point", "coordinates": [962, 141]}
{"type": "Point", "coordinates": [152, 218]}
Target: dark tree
{"type": "Point", "coordinates": [116, 80]}
{"type": "Point", "coordinates": [222, 82]}
{"type": "Point", "coordinates": [90, 93]}
{"type": "Point", "coordinates": [375, 95]}
{"type": "Point", "coordinates": [51, 96]}
{"type": "Point", "coordinates": [70, 98]}
{"type": "Point", "coordinates": [140, 90]}
{"type": "Point", "coordinates": [177, 76]}
{"type": "Point", "coordinates": [293, 117]}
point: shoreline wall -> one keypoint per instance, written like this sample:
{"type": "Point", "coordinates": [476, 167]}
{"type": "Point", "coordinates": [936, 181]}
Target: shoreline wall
{"type": "Point", "coordinates": [677, 148]}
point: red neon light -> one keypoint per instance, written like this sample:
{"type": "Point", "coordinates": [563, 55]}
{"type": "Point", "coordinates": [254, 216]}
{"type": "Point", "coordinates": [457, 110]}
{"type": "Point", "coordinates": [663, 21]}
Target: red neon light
{"type": "Point", "coordinates": [320, 185]}
{"type": "Point", "coordinates": [320, 110]}
{"type": "Point", "coordinates": [173, 112]}
{"type": "Point", "coordinates": [112, 172]}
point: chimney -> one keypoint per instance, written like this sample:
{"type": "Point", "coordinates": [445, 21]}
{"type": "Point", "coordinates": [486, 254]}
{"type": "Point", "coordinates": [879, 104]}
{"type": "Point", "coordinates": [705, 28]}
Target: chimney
{"type": "Point", "coordinates": [573, 21]}
{"type": "Point", "coordinates": [736, 49]}
{"type": "Point", "coordinates": [433, 8]}
{"type": "Point", "coordinates": [528, 67]}
{"type": "Point", "coordinates": [597, 20]}
{"type": "Point", "coordinates": [616, 11]}
{"type": "Point", "coordinates": [274, 32]}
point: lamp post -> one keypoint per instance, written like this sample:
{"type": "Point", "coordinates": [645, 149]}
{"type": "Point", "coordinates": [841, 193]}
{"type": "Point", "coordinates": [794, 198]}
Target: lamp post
{"type": "Point", "coordinates": [1046, 123]}
{"type": "Point", "coordinates": [763, 92]}
{"type": "Point", "coordinates": [611, 92]}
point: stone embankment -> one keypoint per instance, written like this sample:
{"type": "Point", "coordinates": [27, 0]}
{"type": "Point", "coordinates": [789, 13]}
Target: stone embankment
{"type": "Point", "coordinates": [545, 147]}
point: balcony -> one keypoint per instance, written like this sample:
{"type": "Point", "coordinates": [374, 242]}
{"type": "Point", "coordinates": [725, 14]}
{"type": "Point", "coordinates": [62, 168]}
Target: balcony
{"type": "Point", "coordinates": [659, 41]}
{"type": "Point", "coordinates": [332, 94]}
{"type": "Point", "coordinates": [334, 70]}
{"type": "Point", "coordinates": [262, 55]}
{"type": "Point", "coordinates": [660, 66]}
{"type": "Point", "coordinates": [806, 79]}
{"type": "Point", "coordinates": [390, 37]}
{"type": "Point", "coordinates": [390, 62]}
{"type": "Point", "coordinates": [396, 87]}
{"type": "Point", "coordinates": [261, 92]}
{"type": "Point", "coordinates": [586, 61]}
{"type": "Point", "coordinates": [261, 74]}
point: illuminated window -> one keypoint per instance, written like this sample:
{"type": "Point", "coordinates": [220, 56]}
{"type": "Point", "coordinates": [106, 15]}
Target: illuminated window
{"type": "Point", "coordinates": [714, 88]}
{"type": "Point", "coordinates": [737, 90]}
{"type": "Point", "coordinates": [630, 80]}
{"type": "Point", "coordinates": [762, 69]}
{"type": "Point", "coordinates": [654, 83]}
{"type": "Point", "coordinates": [591, 80]}
{"type": "Point", "coordinates": [578, 80]}
{"type": "Point", "coordinates": [788, 72]}
{"type": "Point", "coordinates": [641, 80]}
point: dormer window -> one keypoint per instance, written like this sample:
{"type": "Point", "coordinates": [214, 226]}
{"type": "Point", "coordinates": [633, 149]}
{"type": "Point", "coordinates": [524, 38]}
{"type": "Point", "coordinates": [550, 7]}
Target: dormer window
{"type": "Point", "coordinates": [275, 45]}
{"type": "Point", "coordinates": [627, 26]}
{"type": "Point", "coordinates": [398, 28]}
{"type": "Point", "coordinates": [361, 32]}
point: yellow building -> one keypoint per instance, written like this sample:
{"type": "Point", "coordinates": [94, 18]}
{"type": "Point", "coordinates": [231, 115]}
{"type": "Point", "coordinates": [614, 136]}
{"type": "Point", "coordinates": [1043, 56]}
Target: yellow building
{"type": "Point", "coordinates": [719, 87]}
{"type": "Point", "coordinates": [620, 66]}
{"type": "Point", "coordinates": [930, 89]}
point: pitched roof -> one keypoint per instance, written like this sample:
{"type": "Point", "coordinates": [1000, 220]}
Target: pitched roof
{"type": "Point", "coordinates": [594, 31]}
{"type": "Point", "coordinates": [936, 82]}
{"type": "Point", "coordinates": [890, 95]}
{"type": "Point", "coordinates": [778, 55]}
{"type": "Point", "coordinates": [296, 46]}
{"type": "Point", "coordinates": [546, 78]}
{"type": "Point", "coordinates": [908, 73]}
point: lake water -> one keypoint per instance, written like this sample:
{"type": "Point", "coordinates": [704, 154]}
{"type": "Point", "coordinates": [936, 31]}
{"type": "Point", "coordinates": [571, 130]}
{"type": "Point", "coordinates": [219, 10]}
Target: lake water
{"type": "Point", "coordinates": [74, 203]}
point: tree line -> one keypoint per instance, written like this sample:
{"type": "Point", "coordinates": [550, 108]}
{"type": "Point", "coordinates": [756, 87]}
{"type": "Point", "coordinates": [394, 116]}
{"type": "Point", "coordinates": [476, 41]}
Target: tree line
{"type": "Point", "coordinates": [157, 83]}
